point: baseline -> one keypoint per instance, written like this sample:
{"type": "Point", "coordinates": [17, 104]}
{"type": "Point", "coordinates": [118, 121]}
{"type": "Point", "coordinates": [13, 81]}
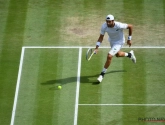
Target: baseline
{"type": "Point", "coordinates": [121, 104]}
{"type": "Point", "coordinates": [77, 47]}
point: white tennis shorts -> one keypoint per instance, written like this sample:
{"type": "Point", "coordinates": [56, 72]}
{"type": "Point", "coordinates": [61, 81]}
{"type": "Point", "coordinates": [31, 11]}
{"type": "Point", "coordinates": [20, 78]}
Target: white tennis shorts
{"type": "Point", "coordinates": [114, 49]}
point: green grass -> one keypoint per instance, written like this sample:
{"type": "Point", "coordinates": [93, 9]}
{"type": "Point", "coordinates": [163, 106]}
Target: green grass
{"type": "Point", "coordinates": [10, 43]}
{"type": "Point", "coordinates": [77, 23]}
{"type": "Point", "coordinates": [124, 83]}
{"type": "Point", "coordinates": [40, 101]}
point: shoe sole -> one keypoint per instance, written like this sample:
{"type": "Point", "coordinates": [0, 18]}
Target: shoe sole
{"type": "Point", "coordinates": [99, 81]}
{"type": "Point", "coordinates": [132, 53]}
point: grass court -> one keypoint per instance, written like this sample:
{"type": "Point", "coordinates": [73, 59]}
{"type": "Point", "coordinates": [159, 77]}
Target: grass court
{"type": "Point", "coordinates": [43, 44]}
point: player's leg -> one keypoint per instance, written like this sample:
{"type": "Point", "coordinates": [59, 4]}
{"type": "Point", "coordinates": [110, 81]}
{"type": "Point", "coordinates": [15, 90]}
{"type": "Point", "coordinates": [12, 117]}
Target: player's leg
{"type": "Point", "coordinates": [130, 55]}
{"type": "Point", "coordinates": [123, 54]}
{"type": "Point", "coordinates": [108, 61]}
{"type": "Point", "coordinates": [114, 50]}
{"type": "Point", "coordinates": [106, 65]}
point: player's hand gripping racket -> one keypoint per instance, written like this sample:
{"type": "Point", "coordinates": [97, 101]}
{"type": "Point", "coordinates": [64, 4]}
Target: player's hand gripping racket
{"type": "Point", "coordinates": [89, 54]}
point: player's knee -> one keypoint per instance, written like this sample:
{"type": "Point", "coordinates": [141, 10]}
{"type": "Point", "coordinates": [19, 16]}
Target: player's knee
{"type": "Point", "coordinates": [109, 57]}
{"type": "Point", "coordinates": [117, 55]}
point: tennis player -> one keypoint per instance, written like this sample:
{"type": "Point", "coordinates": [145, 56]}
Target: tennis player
{"type": "Point", "coordinates": [114, 30]}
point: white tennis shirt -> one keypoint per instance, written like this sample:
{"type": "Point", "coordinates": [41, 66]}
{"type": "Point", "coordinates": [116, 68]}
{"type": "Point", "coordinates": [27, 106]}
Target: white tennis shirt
{"type": "Point", "coordinates": [116, 35]}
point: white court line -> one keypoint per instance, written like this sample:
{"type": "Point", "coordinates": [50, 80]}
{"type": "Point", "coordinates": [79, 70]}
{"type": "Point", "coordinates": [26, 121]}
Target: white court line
{"type": "Point", "coordinates": [78, 87]}
{"type": "Point", "coordinates": [121, 104]}
{"type": "Point", "coordinates": [74, 47]}
{"type": "Point", "coordinates": [17, 87]}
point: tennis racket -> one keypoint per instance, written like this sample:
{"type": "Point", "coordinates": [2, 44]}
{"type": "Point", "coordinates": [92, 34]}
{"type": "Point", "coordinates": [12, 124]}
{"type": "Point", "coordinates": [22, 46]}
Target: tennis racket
{"type": "Point", "coordinates": [89, 54]}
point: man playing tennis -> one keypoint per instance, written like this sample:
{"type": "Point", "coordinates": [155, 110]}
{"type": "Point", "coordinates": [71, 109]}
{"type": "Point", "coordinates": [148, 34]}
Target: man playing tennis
{"type": "Point", "coordinates": [114, 30]}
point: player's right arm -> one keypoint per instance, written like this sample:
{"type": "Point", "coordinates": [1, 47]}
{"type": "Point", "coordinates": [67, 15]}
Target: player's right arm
{"type": "Point", "coordinates": [99, 41]}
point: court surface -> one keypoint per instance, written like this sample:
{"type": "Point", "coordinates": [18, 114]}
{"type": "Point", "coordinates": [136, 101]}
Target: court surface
{"type": "Point", "coordinates": [43, 44]}
{"type": "Point", "coordinates": [129, 94]}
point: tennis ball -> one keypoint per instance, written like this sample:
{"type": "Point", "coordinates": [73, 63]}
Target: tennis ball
{"type": "Point", "coordinates": [59, 87]}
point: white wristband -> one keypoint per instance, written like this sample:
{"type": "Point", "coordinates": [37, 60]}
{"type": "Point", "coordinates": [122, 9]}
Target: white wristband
{"type": "Point", "coordinates": [98, 43]}
{"type": "Point", "coordinates": [129, 37]}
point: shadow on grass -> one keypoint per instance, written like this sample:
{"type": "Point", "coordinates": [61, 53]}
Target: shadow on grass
{"type": "Point", "coordinates": [83, 79]}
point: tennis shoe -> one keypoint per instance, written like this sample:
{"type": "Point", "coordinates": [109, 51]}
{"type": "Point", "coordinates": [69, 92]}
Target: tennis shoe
{"type": "Point", "coordinates": [133, 58]}
{"type": "Point", "coordinates": [100, 78]}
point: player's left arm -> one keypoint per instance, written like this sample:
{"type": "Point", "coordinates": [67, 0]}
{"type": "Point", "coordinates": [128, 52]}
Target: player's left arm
{"type": "Point", "coordinates": [130, 28]}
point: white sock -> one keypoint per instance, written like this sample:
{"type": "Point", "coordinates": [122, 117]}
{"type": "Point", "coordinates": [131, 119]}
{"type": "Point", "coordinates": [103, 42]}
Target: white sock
{"type": "Point", "coordinates": [104, 70]}
{"type": "Point", "coordinates": [126, 54]}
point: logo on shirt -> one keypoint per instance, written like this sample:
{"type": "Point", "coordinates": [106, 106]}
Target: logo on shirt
{"type": "Point", "coordinates": [117, 30]}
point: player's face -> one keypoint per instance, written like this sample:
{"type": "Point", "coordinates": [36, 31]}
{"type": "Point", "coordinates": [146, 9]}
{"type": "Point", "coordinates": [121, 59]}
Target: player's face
{"type": "Point", "coordinates": [110, 23]}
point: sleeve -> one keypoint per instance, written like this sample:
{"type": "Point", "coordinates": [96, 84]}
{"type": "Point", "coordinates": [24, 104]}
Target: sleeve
{"type": "Point", "coordinates": [123, 25]}
{"type": "Point", "coordinates": [102, 31]}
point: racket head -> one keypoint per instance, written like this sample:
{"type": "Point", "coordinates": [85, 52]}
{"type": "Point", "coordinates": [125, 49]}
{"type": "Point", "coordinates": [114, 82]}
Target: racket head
{"type": "Point", "coordinates": [89, 54]}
